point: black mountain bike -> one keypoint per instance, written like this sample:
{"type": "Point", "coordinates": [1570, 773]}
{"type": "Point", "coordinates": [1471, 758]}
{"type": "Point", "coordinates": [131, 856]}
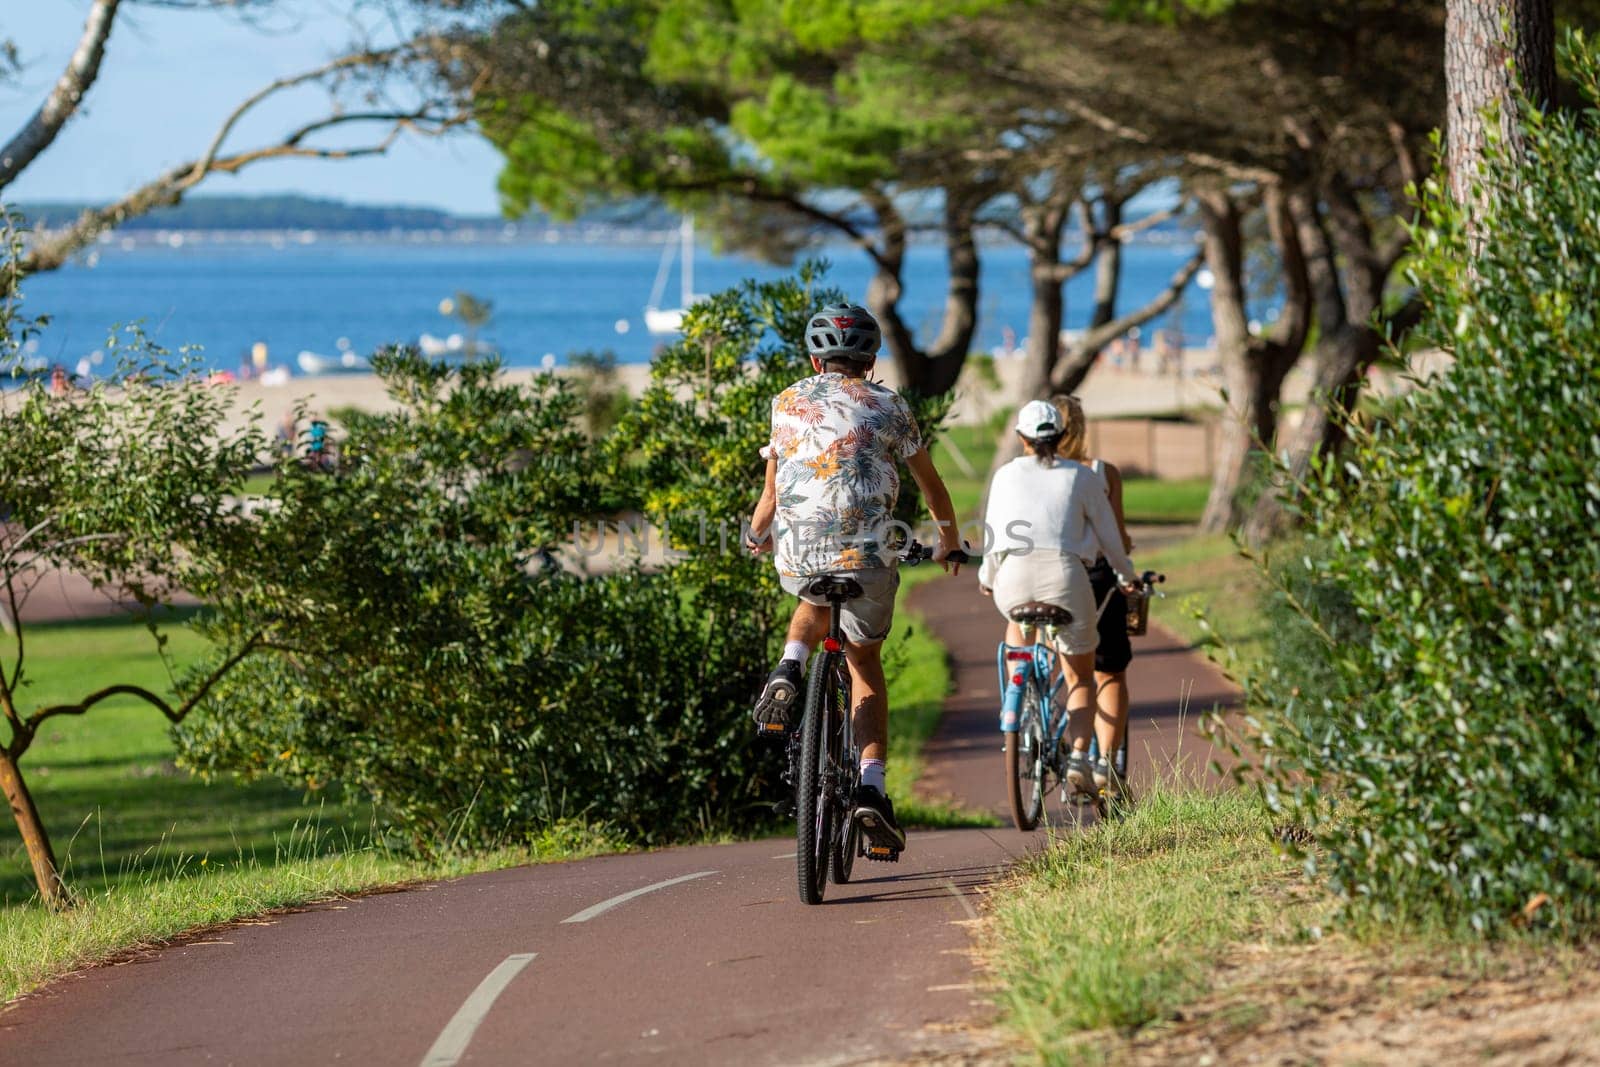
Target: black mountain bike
{"type": "Point", "coordinates": [824, 761]}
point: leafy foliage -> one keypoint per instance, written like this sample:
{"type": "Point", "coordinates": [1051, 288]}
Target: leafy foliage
{"type": "Point", "coordinates": [437, 640]}
{"type": "Point", "coordinates": [1450, 765]}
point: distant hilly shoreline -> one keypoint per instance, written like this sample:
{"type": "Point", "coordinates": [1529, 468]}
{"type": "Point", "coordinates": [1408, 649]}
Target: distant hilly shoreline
{"type": "Point", "coordinates": [293, 212]}
{"type": "Point", "coordinates": [290, 212]}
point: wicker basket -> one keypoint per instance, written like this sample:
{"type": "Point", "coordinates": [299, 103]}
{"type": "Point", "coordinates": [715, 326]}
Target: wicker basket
{"type": "Point", "coordinates": [1138, 612]}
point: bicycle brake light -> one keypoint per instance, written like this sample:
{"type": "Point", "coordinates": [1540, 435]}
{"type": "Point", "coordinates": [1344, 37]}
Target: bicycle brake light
{"type": "Point", "coordinates": [1016, 679]}
{"type": "Point", "coordinates": [1017, 654]}
{"type": "Point", "coordinates": [832, 644]}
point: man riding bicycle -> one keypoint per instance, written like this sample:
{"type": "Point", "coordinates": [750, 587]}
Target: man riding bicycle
{"type": "Point", "coordinates": [827, 508]}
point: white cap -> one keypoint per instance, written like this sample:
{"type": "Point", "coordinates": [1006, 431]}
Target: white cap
{"type": "Point", "coordinates": [1038, 418]}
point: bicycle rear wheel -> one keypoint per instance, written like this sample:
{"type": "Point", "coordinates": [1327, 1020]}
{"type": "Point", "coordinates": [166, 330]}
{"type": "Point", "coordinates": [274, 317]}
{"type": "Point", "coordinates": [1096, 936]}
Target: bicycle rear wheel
{"type": "Point", "coordinates": [1025, 762]}
{"type": "Point", "coordinates": [815, 816]}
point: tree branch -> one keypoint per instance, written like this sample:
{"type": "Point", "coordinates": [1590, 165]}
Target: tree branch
{"type": "Point", "coordinates": [1076, 363]}
{"type": "Point", "coordinates": [352, 61]}
{"type": "Point", "coordinates": [1204, 160]}
{"type": "Point", "coordinates": [50, 251]}
{"type": "Point", "coordinates": [175, 715]}
{"type": "Point", "coordinates": [1155, 218]}
{"type": "Point", "coordinates": [65, 97]}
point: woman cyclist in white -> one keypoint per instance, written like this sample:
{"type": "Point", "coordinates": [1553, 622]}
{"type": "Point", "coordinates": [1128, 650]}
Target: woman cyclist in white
{"type": "Point", "coordinates": [1049, 519]}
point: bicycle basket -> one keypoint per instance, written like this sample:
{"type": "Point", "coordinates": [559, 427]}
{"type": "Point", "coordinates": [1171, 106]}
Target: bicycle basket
{"type": "Point", "coordinates": [1138, 612]}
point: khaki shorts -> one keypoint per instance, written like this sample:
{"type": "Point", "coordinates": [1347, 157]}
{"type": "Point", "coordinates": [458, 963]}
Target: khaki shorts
{"type": "Point", "coordinates": [866, 619]}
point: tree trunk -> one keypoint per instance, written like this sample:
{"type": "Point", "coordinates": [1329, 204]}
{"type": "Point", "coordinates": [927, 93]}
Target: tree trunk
{"type": "Point", "coordinates": [1346, 310]}
{"type": "Point", "coordinates": [1340, 361]}
{"type": "Point", "coordinates": [1253, 368]}
{"type": "Point", "coordinates": [65, 98]}
{"type": "Point", "coordinates": [52, 890]}
{"type": "Point", "coordinates": [1250, 408]}
{"type": "Point", "coordinates": [934, 370]}
{"type": "Point", "coordinates": [1479, 39]}
{"type": "Point", "coordinates": [1042, 228]}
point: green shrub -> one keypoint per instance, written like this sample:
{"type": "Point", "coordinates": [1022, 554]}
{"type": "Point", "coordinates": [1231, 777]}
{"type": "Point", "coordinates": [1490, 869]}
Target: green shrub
{"type": "Point", "coordinates": [436, 642]}
{"type": "Point", "coordinates": [1452, 768]}
{"type": "Point", "coordinates": [426, 650]}
{"type": "Point", "coordinates": [1306, 616]}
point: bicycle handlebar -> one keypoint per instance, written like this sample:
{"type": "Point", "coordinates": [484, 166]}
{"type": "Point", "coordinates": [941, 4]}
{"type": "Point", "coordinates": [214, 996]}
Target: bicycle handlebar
{"type": "Point", "coordinates": [915, 553]}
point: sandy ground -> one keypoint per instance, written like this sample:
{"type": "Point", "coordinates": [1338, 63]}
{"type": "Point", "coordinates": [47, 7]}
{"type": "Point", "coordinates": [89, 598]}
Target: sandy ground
{"type": "Point", "coordinates": [1109, 392]}
{"type": "Point", "coordinates": [1331, 1003]}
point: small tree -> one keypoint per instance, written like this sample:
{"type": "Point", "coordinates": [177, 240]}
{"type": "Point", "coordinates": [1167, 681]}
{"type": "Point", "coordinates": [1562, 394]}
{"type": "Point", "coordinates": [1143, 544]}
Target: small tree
{"type": "Point", "coordinates": [129, 482]}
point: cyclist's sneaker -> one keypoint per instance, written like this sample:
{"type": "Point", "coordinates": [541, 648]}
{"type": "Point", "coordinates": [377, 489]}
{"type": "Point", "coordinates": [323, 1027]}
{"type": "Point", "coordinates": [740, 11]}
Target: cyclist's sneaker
{"type": "Point", "coordinates": [777, 707]}
{"type": "Point", "coordinates": [1106, 779]}
{"type": "Point", "coordinates": [1080, 775]}
{"type": "Point", "coordinates": [875, 815]}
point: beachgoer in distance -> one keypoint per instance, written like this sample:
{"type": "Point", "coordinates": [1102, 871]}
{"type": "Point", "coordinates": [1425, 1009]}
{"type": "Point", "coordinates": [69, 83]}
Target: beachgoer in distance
{"type": "Point", "coordinates": [1048, 519]}
{"type": "Point", "coordinates": [826, 508]}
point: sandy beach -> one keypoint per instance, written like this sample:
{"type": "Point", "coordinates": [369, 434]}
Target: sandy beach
{"type": "Point", "coordinates": [1109, 391]}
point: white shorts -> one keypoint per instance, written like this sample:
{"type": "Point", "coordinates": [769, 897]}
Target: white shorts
{"type": "Point", "coordinates": [1050, 577]}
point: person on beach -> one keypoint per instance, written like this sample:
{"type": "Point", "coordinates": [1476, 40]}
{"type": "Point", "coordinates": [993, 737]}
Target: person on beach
{"type": "Point", "coordinates": [1115, 651]}
{"type": "Point", "coordinates": [826, 508]}
{"type": "Point", "coordinates": [1047, 520]}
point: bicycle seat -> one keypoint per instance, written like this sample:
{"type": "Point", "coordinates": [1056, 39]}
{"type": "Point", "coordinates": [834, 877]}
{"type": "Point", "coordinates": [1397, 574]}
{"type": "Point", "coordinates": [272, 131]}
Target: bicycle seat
{"type": "Point", "coordinates": [1038, 613]}
{"type": "Point", "coordinates": [834, 587]}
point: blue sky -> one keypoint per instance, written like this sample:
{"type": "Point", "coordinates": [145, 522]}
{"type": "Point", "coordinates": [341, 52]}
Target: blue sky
{"type": "Point", "coordinates": [171, 77]}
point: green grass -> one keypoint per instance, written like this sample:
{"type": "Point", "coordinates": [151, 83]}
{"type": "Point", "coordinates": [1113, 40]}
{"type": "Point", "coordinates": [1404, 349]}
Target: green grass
{"type": "Point", "coordinates": [919, 681]}
{"type": "Point", "coordinates": [963, 455]}
{"type": "Point", "coordinates": [114, 803]}
{"type": "Point", "coordinates": [1117, 926]}
{"type": "Point", "coordinates": [258, 484]}
{"type": "Point", "coordinates": [1207, 576]}
{"type": "Point", "coordinates": [181, 893]}
{"type": "Point", "coordinates": [1154, 501]}
{"type": "Point", "coordinates": [151, 850]}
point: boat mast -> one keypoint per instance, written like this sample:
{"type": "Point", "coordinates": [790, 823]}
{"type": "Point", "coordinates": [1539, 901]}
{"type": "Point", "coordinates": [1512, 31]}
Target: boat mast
{"type": "Point", "coordinates": [686, 231]}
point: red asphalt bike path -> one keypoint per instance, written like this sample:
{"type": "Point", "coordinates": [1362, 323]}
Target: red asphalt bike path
{"type": "Point", "coordinates": [715, 961]}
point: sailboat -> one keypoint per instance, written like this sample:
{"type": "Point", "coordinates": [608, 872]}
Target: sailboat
{"type": "Point", "coordinates": [660, 320]}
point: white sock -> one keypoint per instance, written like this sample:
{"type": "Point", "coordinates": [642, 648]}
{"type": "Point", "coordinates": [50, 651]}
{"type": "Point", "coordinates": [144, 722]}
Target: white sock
{"type": "Point", "coordinates": [872, 773]}
{"type": "Point", "coordinates": [798, 651]}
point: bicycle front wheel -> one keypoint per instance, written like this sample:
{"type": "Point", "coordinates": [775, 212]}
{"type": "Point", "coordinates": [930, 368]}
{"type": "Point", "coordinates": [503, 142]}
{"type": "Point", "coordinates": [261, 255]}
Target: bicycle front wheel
{"type": "Point", "coordinates": [1025, 762]}
{"type": "Point", "coordinates": [815, 816]}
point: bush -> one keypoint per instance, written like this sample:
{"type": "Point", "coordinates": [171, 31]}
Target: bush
{"type": "Point", "coordinates": [1306, 616]}
{"type": "Point", "coordinates": [428, 649]}
{"type": "Point", "coordinates": [1451, 768]}
{"type": "Point", "coordinates": [433, 645]}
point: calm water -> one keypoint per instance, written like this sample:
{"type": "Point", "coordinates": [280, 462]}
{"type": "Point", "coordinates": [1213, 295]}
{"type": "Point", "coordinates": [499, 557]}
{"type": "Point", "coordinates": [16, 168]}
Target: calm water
{"type": "Point", "coordinates": [548, 298]}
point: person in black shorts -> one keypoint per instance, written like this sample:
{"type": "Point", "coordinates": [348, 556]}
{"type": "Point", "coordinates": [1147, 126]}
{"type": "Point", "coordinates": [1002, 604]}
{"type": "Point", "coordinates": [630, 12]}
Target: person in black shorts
{"type": "Point", "coordinates": [1115, 651]}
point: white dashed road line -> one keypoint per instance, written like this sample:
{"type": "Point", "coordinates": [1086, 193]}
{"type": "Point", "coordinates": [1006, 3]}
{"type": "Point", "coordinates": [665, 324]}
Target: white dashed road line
{"type": "Point", "coordinates": [606, 905]}
{"type": "Point", "coordinates": [457, 1033]}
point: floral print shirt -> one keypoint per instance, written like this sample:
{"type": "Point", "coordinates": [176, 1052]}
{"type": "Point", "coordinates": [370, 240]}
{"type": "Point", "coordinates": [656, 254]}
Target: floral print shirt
{"type": "Point", "coordinates": [836, 440]}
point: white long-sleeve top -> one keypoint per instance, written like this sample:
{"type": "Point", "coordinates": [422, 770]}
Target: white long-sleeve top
{"type": "Point", "coordinates": [1062, 507]}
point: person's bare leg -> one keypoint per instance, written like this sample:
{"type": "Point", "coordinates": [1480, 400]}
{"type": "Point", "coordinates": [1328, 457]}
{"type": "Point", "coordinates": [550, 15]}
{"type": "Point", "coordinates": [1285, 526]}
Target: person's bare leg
{"type": "Point", "coordinates": [809, 623]}
{"type": "Point", "coordinates": [1111, 722]}
{"type": "Point", "coordinates": [1080, 699]}
{"type": "Point", "coordinates": [778, 705]}
{"type": "Point", "coordinates": [1014, 634]}
{"type": "Point", "coordinates": [870, 691]}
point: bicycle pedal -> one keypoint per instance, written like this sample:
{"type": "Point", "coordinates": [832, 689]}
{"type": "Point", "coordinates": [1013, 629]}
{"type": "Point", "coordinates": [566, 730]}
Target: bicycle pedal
{"type": "Point", "coordinates": [882, 854]}
{"type": "Point", "coordinates": [771, 729]}
{"type": "Point", "coordinates": [783, 809]}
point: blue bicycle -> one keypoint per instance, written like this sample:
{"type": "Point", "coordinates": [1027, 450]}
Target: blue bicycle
{"type": "Point", "coordinates": [1032, 724]}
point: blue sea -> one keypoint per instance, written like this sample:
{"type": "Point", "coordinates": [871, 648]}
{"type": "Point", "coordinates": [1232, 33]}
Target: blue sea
{"type": "Point", "coordinates": [549, 299]}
